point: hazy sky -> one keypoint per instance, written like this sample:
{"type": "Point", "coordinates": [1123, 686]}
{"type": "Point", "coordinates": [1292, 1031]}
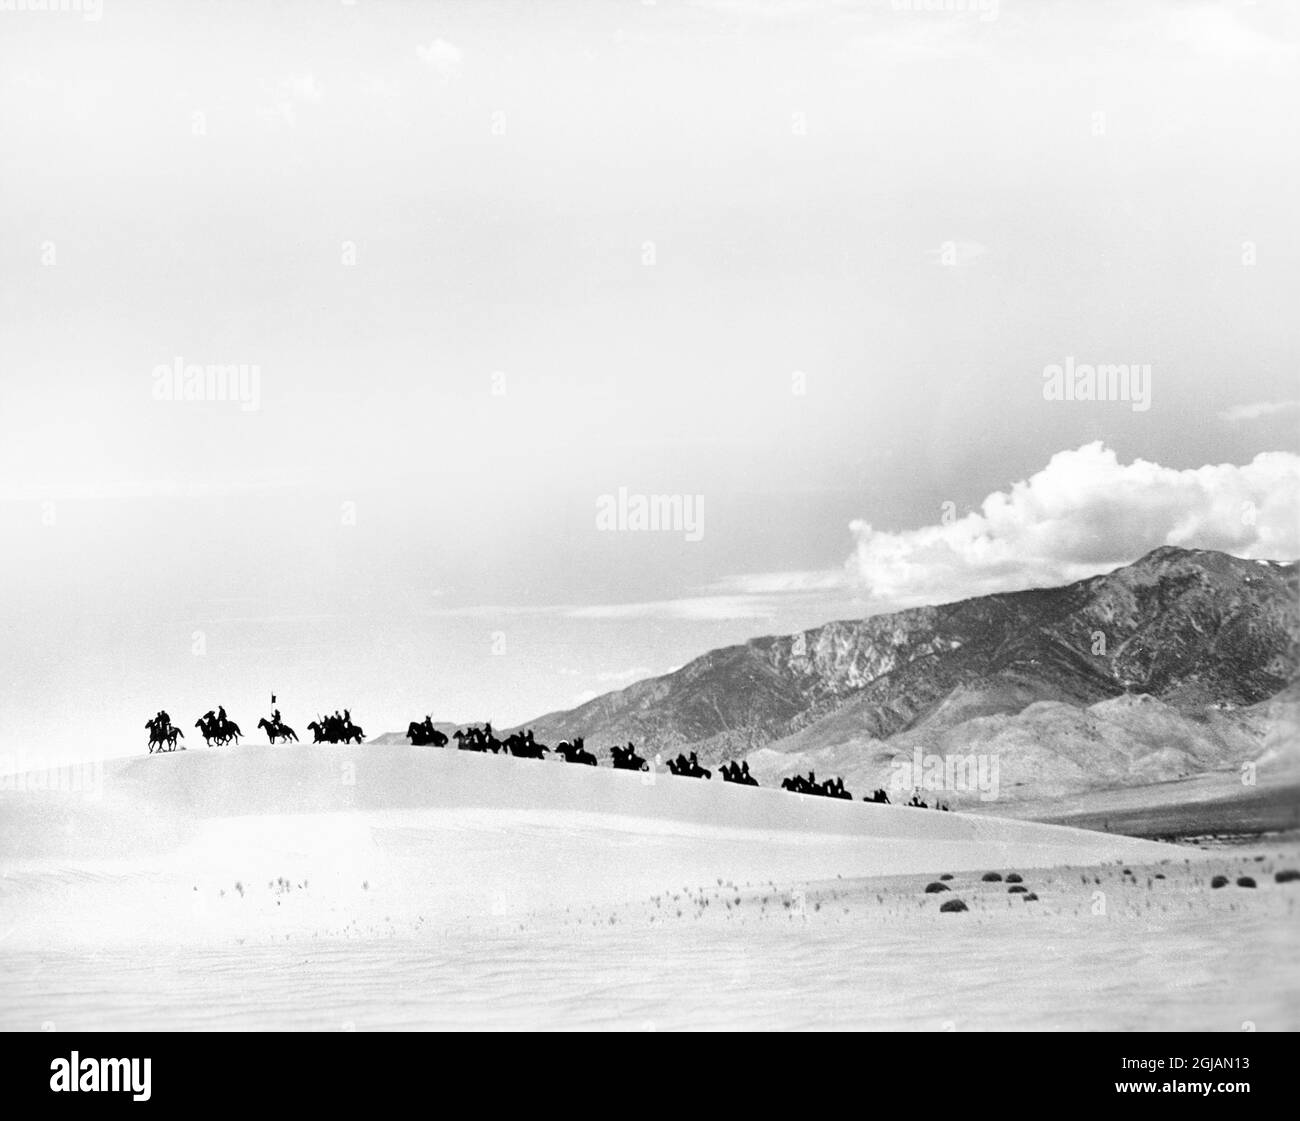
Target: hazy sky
{"type": "Point", "coordinates": [801, 265]}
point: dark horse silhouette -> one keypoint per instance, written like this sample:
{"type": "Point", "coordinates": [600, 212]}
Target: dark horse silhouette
{"type": "Point", "coordinates": [739, 773]}
{"type": "Point", "coordinates": [877, 795]}
{"type": "Point", "coordinates": [574, 752]}
{"type": "Point", "coordinates": [523, 746]}
{"type": "Point", "coordinates": [217, 731]}
{"type": "Point", "coordinates": [831, 788]}
{"type": "Point", "coordinates": [626, 758]}
{"type": "Point", "coordinates": [333, 730]}
{"type": "Point", "coordinates": [423, 733]}
{"type": "Point", "coordinates": [273, 730]}
{"type": "Point", "coordinates": [477, 739]}
{"type": "Point", "coordinates": [163, 732]}
{"type": "Point", "coordinates": [689, 768]}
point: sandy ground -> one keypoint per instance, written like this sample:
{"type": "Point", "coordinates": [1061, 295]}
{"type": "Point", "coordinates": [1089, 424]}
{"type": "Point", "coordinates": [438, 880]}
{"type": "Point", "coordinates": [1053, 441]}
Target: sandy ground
{"type": "Point", "coordinates": [1208, 805]}
{"type": "Point", "coordinates": [416, 888]}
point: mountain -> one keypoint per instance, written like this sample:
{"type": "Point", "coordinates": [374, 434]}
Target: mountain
{"type": "Point", "coordinates": [1197, 632]}
{"type": "Point", "coordinates": [1050, 749]}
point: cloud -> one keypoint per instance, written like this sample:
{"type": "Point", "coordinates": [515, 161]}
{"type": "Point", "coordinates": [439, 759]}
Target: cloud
{"type": "Point", "coordinates": [1217, 32]}
{"type": "Point", "coordinates": [290, 92]}
{"type": "Point", "coordinates": [379, 88]}
{"type": "Point", "coordinates": [618, 677]}
{"type": "Point", "coordinates": [108, 490]}
{"type": "Point", "coordinates": [442, 57]}
{"type": "Point", "coordinates": [1082, 514]}
{"type": "Point", "coordinates": [781, 583]}
{"type": "Point", "coordinates": [303, 87]}
{"type": "Point", "coordinates": [1258, 410]}
{"type": "Point", "coordinates": [757, 595]}
{"type": "Point", "coordinates": [624, 675]}
{"type": "Point", "coordinates": [688, 609]}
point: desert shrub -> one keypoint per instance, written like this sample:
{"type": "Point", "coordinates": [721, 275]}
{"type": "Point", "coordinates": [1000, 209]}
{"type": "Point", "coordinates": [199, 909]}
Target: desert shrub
{"type": "Point", "coordinates": [1245, 881]}
{"type": "Point", "coordinates": [953, 905]}
{"type": "Point", "coordinates": [1287, 876]}
{"type": "Point", "coordinates": [935, 887]}
{"type": "Point", "coordinates": [1017, 889]}
{"type": "Point", "coordinates": [946, 876]}
{"type": "Point", "coordinates": [1219, 881]}
{"type": "Point", "coordinates": [1031, 897]}
{"type": "Point", "coordinates": [1014, 878]}
{"type": "Point", "coordinates": [992, 877]}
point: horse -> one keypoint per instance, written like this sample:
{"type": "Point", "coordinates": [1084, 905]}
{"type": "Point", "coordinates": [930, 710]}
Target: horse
{"type": "Point", "coordinates": [422, 733]}
{"type": "Point", "coordinates": [878, 795]}
{"type": "Point", "coordinates": [471, 740]}
{"type": "Point", "coordinates": [478, 739]}
{"type": "Point", "coordinates": [273, 730]}
{"type": "Point", "coordinates": [331, 730]}
{"type": "Point", "coordinates": [172, 735]}
{"type": "Point", "coordinates": [221, 733]}
{"type": "Point", "coordinates": [688, 768]}
{"type": "Point", "coordinates": [523, 746]}
{"type": "Point", "coordinates": [574, 752]}
{"type": "Point", "coordinates": [732, 772]}
{"type": "Point", "coordinates": [157, 735]}
{"type": "Point", "coordinates": [626, 758]}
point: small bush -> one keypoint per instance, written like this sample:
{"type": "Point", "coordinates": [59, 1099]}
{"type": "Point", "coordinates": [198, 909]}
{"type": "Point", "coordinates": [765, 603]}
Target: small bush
{"type": "Point", "coordinates": [1287, 876]}
{"type": "Point", "coordinates": [1219, 881]}
{"type": "Point", "coordinates": [953, 905]}
{"type": "Point", "coordinates": [1245, 881]}
{"type": "Point", "coordinates": [1031, 897]}
{"type": "Point", "coordinates": [1014, 878]}
{"type": "Point", "coordinates": [946, 876]}
{"type": "Point", "coordinates": [992, 877]}
{"type": "Point", "coordinates": [935, 887]}
{"type": "Point", "coordinates": [1017, 889]}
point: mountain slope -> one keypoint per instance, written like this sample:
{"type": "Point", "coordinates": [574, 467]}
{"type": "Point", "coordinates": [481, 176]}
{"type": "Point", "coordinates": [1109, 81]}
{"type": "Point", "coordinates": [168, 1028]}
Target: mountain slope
{"type": "Point", "coordinates": [1189, 627]}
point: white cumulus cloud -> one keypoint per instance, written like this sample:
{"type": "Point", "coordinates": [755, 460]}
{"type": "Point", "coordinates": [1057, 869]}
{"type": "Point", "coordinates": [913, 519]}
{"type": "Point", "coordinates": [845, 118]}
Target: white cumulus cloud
{"type": "Point", "coordinates": [1082, 514]}
{"type": "Point", "coordinates": [440, 56]}
{"type": "Point", "coordinates": [1257, 410]}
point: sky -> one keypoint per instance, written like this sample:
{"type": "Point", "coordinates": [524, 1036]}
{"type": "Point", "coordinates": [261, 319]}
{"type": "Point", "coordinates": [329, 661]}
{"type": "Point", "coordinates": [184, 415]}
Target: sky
{"type": "Point", "coordinates": [342, 345]}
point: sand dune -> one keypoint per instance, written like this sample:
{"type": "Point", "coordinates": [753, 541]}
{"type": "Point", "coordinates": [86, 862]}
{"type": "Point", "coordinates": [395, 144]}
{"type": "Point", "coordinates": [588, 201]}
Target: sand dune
{"type": "Point", "coordinates": [222, 869]}
{"type": "Point", "coordinates": [197, 846]}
